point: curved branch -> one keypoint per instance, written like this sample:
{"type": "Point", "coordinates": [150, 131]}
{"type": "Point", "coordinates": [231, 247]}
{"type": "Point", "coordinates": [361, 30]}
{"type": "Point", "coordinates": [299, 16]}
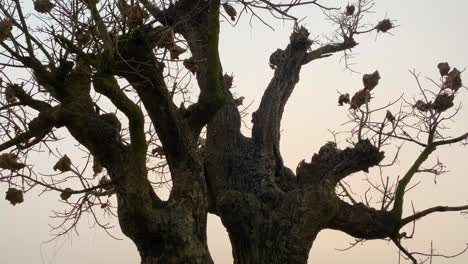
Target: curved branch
{"type": "Point", "coordinates": [107, 85]}
{"type": "Point", "coordinates": [428, 211]}
{"type": "Point", "coordinates": [361, 221]}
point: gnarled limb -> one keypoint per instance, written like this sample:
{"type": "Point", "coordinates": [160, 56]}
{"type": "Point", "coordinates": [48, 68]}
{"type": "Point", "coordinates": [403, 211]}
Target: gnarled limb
{"type": "Point", "coordinates": [334, 164]}
{"type": "Point", "coordinates": [364, 222]}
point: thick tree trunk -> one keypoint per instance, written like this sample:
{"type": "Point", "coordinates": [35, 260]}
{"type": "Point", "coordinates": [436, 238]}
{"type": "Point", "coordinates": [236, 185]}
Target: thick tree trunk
{"type": "Point", "coordinates": [270, 244]}
{"type": "Point", "coordinates": [174, 251]}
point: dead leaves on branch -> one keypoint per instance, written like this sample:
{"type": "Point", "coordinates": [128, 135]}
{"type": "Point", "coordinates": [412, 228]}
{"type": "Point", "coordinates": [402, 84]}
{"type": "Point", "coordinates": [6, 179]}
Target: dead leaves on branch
{"type": "Point", "coordinates": [360, 98]}
{"type": "Point", "coordinates": [443, 101]}
{"type": "Point", "coordinates": [14, 196]}
{"type": "Point", "coordinates": [350, 9]}
{"type": "Point", "coordinates": [43, 6]}
{"type": "Point", "coordinates": [444, 68]}
{"type": "Point", "coordinates": [6, 26]}
{"type": "Point", "coordinates": [106, 183]}
{"type": "Point", "coordinates": [384, 26]}
{"type": "Point", "coordinates": [370, 81]}
{"type": "Point", "coordinates": [191, 65]}
{"type": "Point", "coordinates": [164, 37]}
{"type": "Point", "coordinates": [232, 13]}
{"type": "Point", "coordinates": [228, 80]}
{"type": "Point", "coordinates": [97, 167]}
{"type": "Point", "coordinates": [136, 16]}
{"type": "Point", "coordinates": [453, 80]}
{"type": "Point", "coordinates": [343, 99]}
{"type": "Point", "coordinates": [9, 161]}
{"type": "Point", "coordinates": [63, 164]}
{"type": "Point", "coordinates": [65, 194]}
{"type": "Point", "coordinates": [389, 116]}
{"type": "Point", "coordinates": [10, 94]}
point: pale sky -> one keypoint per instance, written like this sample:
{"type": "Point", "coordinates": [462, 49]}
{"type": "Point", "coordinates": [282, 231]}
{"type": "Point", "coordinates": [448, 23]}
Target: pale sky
{"type": "Point", "coordinates": [429, 32]}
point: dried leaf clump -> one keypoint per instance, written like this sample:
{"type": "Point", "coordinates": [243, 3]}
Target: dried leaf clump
{"type": "Point", "coordinates": [443, 102]}
{"type": "Point", "coordinates": [390, 116]}
{"type": "Point", "coordinates": [230, 11]}
{"type": "Point", "coordinates": [9, 161]}
{"type": "Point", "coordinates": [453, 80]}
{"type": "Point", "coordinates": [350, 9]}
{"type": "Point", "coordinates": [239, 101]}
{"type": "Point", "coordinates": [360, 98]}
{"type": "Point", "coordinates": [343, 99]}
{"type": "Point", "coordinates": [6, 25]}
{"type": "Point", "coordinates": [136, 16]}
{"type": "Point", "coordinates": [14, 196]}
{"type": "Point", "coordinates": [191, 65]}
{"type": "Point", "coordinates": [370, 81]}
{"type": "Point", "coordinates": [67, 193]}
{"type": "Point", "coordinates": [384, 25]}
{"type": "Point", "coordinates": [228, 80]}
{"type": "Point", "coordinates": [43, 6]}
{"type": "Point", "coordinates": [10, 95]}
{"type": "Point", "coordinates": [158, 151]}
{"type": "Point", "coordinates": [63, 164]}
{"type": "Point", "coordinates": [97, 167]}
{"type": "Point", "coordinates": [422, 106]}
{"type": "Point", "coordinates": [444, 68]}
{"type": "Point", "coordinates": [164, 37]}
{"type": "Point", "coordinates": [106, 183]}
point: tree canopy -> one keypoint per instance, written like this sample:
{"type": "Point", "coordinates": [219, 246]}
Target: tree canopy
{"type": "Point", "coordinates": [117, 78]}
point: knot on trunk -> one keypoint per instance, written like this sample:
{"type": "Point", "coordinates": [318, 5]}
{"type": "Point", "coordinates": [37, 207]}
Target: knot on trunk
{"type": "Point", "coordinates": [300, 38]}
{"type": "Point", "coordinates": [333, 163]}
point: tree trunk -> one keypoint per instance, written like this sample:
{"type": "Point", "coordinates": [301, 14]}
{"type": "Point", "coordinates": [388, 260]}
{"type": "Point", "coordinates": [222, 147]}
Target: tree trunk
{"type": "Point", "coordinates": [173, 251]}
{"type": "Point", "coordinates": [270, 244]}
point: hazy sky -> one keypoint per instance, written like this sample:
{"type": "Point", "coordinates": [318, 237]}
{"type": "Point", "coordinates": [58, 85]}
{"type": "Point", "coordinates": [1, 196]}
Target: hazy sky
{"type": "Point", "coordinates": [429, 32]}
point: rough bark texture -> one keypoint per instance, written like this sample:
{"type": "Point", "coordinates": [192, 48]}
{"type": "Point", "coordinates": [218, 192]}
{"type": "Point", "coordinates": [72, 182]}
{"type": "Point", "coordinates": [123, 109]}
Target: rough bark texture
{"type": "Point", "coordinates": [272, 214]}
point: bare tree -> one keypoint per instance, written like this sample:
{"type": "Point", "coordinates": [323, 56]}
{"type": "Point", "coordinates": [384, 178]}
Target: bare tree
{"type": "Point", "coordinates": [115, 77]}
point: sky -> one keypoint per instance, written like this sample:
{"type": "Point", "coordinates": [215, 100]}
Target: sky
{"type": "Point", "coordinates": [428, 32]}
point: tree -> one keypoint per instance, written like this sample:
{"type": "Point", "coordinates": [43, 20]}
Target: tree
{"type": "Point", "coordinates": [96, 65]}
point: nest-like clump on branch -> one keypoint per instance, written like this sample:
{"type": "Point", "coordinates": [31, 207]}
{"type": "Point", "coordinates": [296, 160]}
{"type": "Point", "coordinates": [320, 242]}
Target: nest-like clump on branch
{"type": "Point", "coordinates": [164, 37]}
{"type": "Point", "coordinates": [350, 9]}
{"type": "Point", "coordinates": [228, 80]}
{"type": "Point", "coordinates": [422, 106]}
{"type": "Point", "coordinates": [390, 117]}
{"type": "Point", "coordinates": [43, 6]}
{"type": "Point", "coordinates": [239, 101]}
{"type": "Point", "coordinates": [384, 25]}
{"type": "Point", "coordinates": [6, 26]}
{"type": "Point", "coordinates": [191, 65]}
{"type": "Point", "coordinates": [97, 167]}
{"type": "Point", "coordinates": [360, 98]}
{"type": "Point", "coordinates": [14, 196]}
{"type": "Point", "coordinates": [158, 151]}
{"type": "Point", "coordinates": [136, 16]}
{"type": "Point", "coordinates": [444, 68]}
{"type": "Point", "coordinates": [443, 102]}
{"type": "Point", "coordinates": [9, 161]}
{"type": "Point", "coordinates": [65, 194]}
{"type": "Point", "coordinates": [63, 164]}
{"type": "Point", "coordinates": [106, 183]}
{"type": "Point", "coordinates": [10, 95]}
{"type": "Point", "coordinates": [453, 80]}
{"type": "Point", "coordinates": [343, 99]}
{"type": "Point", "coordinates": [230, 11]}
{"type": "Point", "coordinates": [370, 81]}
